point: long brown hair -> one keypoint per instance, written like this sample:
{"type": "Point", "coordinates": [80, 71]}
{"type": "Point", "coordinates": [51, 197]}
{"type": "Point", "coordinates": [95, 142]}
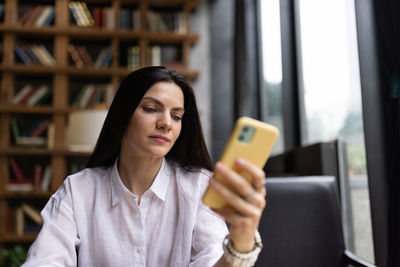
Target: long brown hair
{"type": "Point", "coordinates": [189, 149]}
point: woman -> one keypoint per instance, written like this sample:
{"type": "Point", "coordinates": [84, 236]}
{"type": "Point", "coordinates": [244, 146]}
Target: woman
{"type": "Point", "coordinates": [138, 202]}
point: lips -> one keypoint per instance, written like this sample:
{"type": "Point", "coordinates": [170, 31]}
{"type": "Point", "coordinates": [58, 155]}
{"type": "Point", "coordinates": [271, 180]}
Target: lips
{"type": "Point", "coordinates": [160, 138]}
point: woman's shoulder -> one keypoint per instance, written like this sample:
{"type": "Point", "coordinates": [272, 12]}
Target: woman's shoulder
{"type": "Point", "coordinates": [83, 182]}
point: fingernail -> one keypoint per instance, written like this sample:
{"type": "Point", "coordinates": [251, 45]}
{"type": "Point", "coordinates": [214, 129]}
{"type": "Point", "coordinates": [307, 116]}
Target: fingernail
{"type": "Point", "coordinates": [219, 166]}
{"type": "Point", "coordinates": [240, 161]}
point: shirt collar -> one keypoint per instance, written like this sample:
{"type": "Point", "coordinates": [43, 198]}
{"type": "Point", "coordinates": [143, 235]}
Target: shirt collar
{"type": "Point", "coordinates": [159, 186]}
{"type": "Point", "coordinates": [161, 182]}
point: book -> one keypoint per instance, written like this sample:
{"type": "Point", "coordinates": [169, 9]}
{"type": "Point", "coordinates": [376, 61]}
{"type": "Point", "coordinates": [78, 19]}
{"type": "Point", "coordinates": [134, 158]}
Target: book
{"type": "Point", "coordinates": [46, 179]}
{"type": "Point", "coordinates": [34, 16]}
{"type": "Point", "coordinates": [155, 55]}
{"type": "Point", "coordinates": [74, 12]}
{"type": "Point", "coordinates": [43, 16]}
{"type": "Point", "coordinates": [31, 53]}
{"type": "Point", "coordinates": [32, 213]}
{"type": "Point", "coordinates": [37, 177]}
{"type": "Point", "coordinates": [84, 55]}
{"type": "Point", "coordinates": [49, 59]}
{"type": "Point", "coordinates": [89, 90]}
{"type": "Point", "coordinates": [107, 58]}
{"type": "Point", "coordinates": [19, 221]}
{"type": "Point", "coordinates": [133, 57]}
{"type": "Point", "coordinates": [29, 140]}
{"type": "Point", "coordinates": [39, 93]}
{"type": "Point", "coordinates": [97, 14]}
{"type": "Point", "coordinates": [24, 186]}
{"type": "Point", "coordinates": [100, 58]}
{"type": "Point", "coordinates": [40, 129]}
{"type": "Point", "coordinates": [25, 17]}
{"type": "Point", "coordinates": [38, 53]}
{"type": "Point", "coordinates": [19, 174]}
{"type": "Point", "coordinates": [15, 129]}
{"type": "Point", "coordinates": [44, 98]}
{"type": "Point", "coordinates": [75, 56]}
{"type": "Point", "coordinates": [22, 93]}
{"type": "Point", "coordinates": [27, 96]}
{"type": "Point", "coordinates": [22, 55]}
{"type": "Point", "coordinates": [86, 13]}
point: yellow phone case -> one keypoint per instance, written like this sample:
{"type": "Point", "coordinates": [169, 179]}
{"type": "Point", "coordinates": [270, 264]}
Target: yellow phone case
{"type": "Point", "coordinates": [256, 150]}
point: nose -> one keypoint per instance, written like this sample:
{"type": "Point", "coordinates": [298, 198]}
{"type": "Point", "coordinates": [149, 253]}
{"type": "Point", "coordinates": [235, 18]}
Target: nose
{"type": "Point", "coordinates": [164, 121]}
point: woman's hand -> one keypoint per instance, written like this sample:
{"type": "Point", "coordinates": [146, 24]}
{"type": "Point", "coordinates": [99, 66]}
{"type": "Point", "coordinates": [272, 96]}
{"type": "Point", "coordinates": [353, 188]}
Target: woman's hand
{"type": "Point", "coordinates": [247, 199]}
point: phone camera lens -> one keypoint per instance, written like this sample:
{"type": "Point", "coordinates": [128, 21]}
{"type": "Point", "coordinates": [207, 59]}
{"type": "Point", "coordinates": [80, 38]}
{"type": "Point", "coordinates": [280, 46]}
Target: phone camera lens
{"type": "Point", "coordinates": [245, 129]}
{"type": "Point", "coordinates": [241, 138]}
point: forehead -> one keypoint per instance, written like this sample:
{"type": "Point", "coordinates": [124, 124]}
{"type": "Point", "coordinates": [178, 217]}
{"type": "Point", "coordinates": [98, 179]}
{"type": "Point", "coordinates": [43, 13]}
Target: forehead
{"type": "Point", "coordinates": [166, 91]}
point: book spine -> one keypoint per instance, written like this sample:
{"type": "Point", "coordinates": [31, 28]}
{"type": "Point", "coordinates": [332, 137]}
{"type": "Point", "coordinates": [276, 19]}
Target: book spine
{"type": "Point", "coordinates": [15, 128]}
{"type": "Point", "coordinates": [44, 98]}
{"type": "Point", "coordinates": [38, 53]}
{"type": "Point", "coordinates": [74, 10]}
{"type": "Point", "coordinates": [84, 55]}
{"type": "Point", "coordinates": [43, 16]}
{"type": "Point", "coordinates": [37, 176]}
{"type": "Point", "coordinates": [86, 96]}
{"type": "Point", "coordinates": [46, 179]}
{"type": "Point", "coordinates": [75, 56]}
{"type": "Point", "coordinates": [22, 93]}
{"type": "Point", "coordinates": [22, 55]}
{"type": "Point", "coordinates": [32, 19]}
{"type": "Point", "coordinates": [49, 18]}
{"type": "Point", "coordinates": [19, 175]}
{"type": "Point", "coordinates": [40, 129]}
{"type": "Point", "coordinates": [32, 213]}
{"type": "Point", "coordinates": [27, 96]}
{"type": "Point", "coordinates": [25, 17]}
{"type": "Point", "coordinates": [40, 92]}
{"type": "Point", "coordinates": [31, 53]}
{"type": "Point", "coordinates": [19, 221]}
{"type": "Point", "coordinates": [46, 54]}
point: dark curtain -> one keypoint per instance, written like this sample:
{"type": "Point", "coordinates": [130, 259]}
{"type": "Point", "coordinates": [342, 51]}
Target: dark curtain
{"type": "Point", "coordinates": [247, 74]}
{"type": "Point", "coordinates": [388, 33]}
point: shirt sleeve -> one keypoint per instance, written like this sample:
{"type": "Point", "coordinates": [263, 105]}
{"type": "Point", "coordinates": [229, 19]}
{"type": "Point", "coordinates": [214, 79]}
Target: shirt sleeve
{"type": "Point", "coordinates": [58, 240]}
{"type": "Point", "coordinates": [209, 232]}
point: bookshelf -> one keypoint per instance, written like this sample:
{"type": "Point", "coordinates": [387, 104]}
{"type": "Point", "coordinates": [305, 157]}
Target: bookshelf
{"type": "Point", "coordinates": [42, 87]}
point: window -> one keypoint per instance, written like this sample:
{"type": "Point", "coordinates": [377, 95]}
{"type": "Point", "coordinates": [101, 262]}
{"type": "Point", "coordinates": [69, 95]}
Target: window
{"type": "Point", "coordinates": [329, 91]}
{"type": "Point", "coordinates": [272, 66]}
{"type": "Point", "coordinates": [331, 94]}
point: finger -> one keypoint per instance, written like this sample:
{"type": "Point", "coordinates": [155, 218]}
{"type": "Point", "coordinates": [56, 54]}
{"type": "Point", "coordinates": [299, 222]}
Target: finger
{"type": "Point", "coordinates": [237, 182]}
{"type": "Point", "coordinates": [254, 171]}
{"type": "Point", "coordinates": [238, 203]}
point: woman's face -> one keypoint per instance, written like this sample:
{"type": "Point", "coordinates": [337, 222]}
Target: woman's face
{"type": "Point", "coordinates": [156, 123]}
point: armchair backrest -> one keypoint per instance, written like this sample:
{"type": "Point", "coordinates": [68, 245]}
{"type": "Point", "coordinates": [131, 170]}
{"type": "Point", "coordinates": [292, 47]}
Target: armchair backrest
{"type": "Point", "coordinates": [301, 225]}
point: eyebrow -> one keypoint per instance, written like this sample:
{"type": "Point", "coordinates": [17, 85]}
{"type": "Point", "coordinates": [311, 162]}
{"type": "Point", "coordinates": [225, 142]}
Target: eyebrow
{"type": "Point", "coordinates": [158, 102]}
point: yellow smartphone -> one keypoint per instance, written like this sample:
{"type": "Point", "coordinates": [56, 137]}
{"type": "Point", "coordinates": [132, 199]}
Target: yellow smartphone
{"type": "Point", "coordinates": [251, 139]}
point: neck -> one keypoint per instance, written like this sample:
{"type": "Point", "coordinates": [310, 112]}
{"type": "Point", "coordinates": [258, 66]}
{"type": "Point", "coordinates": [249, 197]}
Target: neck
{"type": "Point", "coordinates": [138, 173]}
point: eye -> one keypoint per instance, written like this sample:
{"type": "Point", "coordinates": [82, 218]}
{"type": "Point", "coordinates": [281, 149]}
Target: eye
{"type": "Point", "coordinates": [176, 117]}
{"type": "Point", "coordinates": [149, 109]}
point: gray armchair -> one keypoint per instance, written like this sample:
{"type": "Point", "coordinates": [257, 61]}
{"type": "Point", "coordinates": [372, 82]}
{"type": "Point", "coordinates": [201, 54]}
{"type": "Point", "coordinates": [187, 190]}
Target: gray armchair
{"type": "Point", "coordinates": [301, 225]}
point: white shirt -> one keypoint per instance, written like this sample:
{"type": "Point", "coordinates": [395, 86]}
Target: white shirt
{"type": "Point", "coordinates": [94, 214]}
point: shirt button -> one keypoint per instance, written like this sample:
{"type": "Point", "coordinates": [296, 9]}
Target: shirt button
{"type": "Point", "coordinates": [139, 250]}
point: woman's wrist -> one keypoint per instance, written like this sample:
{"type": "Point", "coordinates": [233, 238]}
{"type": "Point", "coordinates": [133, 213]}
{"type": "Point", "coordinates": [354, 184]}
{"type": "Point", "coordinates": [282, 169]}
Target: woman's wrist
{"type": "Point", "coordinates": [237, 258]}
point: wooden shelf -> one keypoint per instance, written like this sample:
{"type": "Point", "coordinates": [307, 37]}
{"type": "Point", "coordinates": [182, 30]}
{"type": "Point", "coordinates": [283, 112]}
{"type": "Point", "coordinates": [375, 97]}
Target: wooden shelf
{"type": "Point", "coordinates": [98, 33]}
{"type": "Point", "coordinates": [190, 75]}
{"type": "Point", "coordinates": [24, 195]}
{"type": "Point", "coordinates": [67, 82]}
{"type": "Point", "coordinates": [14, 238]}
{"type": "Point", "coordinates": [31, 150]}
